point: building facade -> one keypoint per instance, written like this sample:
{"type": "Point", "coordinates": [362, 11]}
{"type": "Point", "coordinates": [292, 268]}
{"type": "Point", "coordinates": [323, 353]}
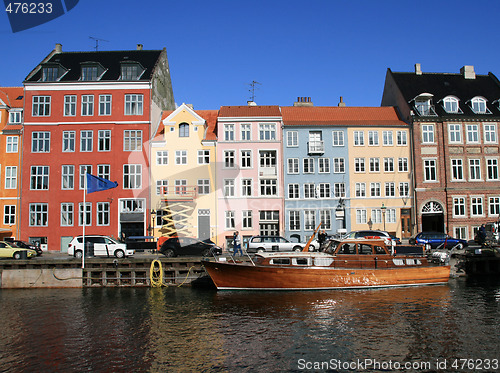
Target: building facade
{"type": "Point", "coordinates": [90, 112]}
{"type": "Point", "coordinates": [183, 163]}
{"type": "Point", "coordinates": [380, 170]}
{"type": "Point", "coordinates": [11, 125]}
{"type": "Point", "coordinates": [316, 171]}
{"type": "Point", "coordinates": [249, 172]}
{"type": "Point", "coordinates": [454, 120]}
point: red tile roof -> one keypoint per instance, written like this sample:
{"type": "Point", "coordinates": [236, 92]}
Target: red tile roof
{"type": "Point", "coordinates": [249, 111]}
{"type": "Point", "coordinates": [210, 117]}
{"type": "Point", "coordinates": [10, 95]}
{"type": "Point", "coordinates": [333, 115]}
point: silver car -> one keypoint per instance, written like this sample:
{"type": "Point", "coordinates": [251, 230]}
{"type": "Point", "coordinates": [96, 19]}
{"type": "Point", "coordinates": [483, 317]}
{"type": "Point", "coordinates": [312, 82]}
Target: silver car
{"type": "Point", "coordinates": [272, 243]}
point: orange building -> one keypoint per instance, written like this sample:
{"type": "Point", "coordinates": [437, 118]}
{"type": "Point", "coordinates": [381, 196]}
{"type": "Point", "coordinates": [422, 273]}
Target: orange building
{"type": "Point", "coordinates": [11, 123]}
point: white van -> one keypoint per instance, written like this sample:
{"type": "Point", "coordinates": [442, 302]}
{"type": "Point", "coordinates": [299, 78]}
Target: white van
{"type": "Point", "coordinates": [98, 246]}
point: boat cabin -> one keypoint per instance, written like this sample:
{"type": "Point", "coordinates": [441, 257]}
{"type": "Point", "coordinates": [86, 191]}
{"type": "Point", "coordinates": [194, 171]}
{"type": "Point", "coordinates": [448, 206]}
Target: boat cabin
{"type": "Point", "coordinates": [355, 253]}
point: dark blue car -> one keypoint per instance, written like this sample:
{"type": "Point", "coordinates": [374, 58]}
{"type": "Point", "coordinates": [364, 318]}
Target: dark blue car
{"type": "Point", "coordinates": [435, 240]}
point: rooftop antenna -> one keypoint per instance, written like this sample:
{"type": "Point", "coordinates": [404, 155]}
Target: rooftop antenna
{"type": "Point", "coordinates": [252, 90]}
{"type": "Point", "coordinates": [97, 40]}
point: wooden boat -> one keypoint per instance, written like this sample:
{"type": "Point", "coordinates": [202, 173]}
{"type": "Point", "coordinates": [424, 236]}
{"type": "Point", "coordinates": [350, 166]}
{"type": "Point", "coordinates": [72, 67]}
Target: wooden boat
{"type": "Point", "coordinates": [348, 264]}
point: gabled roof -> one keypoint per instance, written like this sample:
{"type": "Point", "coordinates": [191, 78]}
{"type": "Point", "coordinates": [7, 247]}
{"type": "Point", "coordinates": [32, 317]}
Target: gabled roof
{"type": "Point", "coordinates": [210, 116]}
{"type": "Point", "coordinates": [249, 111]}
{"type": "Point", "coordinates": [109, 60]}
{"type": "Point", "coordinates": [340, 116]}
{"type": "Point", "coordinates": [441, 85]}
{"type": "Point", "coordinates": [13, 97]}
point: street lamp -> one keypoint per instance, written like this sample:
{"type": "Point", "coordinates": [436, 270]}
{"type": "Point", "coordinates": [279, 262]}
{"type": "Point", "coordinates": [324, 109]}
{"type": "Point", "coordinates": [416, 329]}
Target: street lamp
{"type": "Point", "coordinates": [383, 208]}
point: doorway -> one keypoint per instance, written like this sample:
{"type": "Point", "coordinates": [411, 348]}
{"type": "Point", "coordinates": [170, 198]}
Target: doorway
{"type": "Point", "coordinates": [432, 217]}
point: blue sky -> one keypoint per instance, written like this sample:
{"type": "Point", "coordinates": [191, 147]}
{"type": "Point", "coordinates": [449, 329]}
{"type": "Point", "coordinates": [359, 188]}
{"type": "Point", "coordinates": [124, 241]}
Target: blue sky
{"type": "Point", "coordinates": [322, 49]}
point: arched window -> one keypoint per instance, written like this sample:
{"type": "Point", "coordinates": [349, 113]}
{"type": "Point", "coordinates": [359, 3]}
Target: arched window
{"type": "Point", "coordinates": [478, 105]}
{"type": "Point", "coordinates": [423, 104]}
{"type": "Point", "coordinates": [451, 105]}
{"type": "Point", "coordinates": [432, 208]}
{"type": "Point", "coordinates": [183, 130]}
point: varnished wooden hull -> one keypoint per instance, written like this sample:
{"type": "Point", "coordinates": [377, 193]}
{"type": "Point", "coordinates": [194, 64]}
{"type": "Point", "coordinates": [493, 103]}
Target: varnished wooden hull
{"type": "Point", "coordinates": [244, 276]}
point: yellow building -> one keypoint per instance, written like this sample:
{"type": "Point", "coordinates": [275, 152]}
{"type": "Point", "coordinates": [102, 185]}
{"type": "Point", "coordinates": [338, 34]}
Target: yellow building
{"type": "Point", "coordinates": [380, 173]}
{"type": "Point", "coordinates": [11, 124]}
{"type": "Point", "coordinates": [183, 199]}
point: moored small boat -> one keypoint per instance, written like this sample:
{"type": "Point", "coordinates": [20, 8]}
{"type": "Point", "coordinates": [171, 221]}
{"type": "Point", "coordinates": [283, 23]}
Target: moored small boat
{"type": "Point", "coordinates": [348, 264]}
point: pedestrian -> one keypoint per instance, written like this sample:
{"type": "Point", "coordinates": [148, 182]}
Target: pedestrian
{"type": "Point", "coordinates": [237, 244]}
{"type": "Point", "coordinates": [481, 235]}
{"type": "Point", "coordinates": [321, 239]}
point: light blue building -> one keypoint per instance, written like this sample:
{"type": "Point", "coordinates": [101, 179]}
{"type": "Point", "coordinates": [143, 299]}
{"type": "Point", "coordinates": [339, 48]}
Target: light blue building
{"type": "Point", "coordinates": [316, 170]}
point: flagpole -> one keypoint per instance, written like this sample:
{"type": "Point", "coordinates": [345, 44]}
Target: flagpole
{"type": "Point", "coordinates": [84, 217]}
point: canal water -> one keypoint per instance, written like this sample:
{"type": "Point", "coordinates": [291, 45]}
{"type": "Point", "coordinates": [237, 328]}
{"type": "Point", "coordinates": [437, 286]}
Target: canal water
{"type": "Point", "coordinates": [452, 328]}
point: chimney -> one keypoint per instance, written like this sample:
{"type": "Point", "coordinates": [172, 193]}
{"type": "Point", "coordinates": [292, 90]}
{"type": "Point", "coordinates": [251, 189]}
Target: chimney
{"type": "Point", "coordinates": [251, 103]}
{"type": "Point", "coordinates": [341, 103]}
{"type": "Point", "coordinates": [139, 47]}
{"type": "Point", "coordinates": [468, 72]}
{"type": "Point", "coordinates": [58, 48]}
{"type": "Point", "coordinates": [303, 101]}
{"type": "Point", "coordinates": [418, 69]}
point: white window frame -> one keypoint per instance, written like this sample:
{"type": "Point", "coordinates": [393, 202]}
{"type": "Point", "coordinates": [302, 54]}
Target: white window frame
{"type": "Point", "coordinates": [10, 177]}
{"type": "Point", "coordinates": [454, 133]}
{"type": "Point", "coordinates": [87, 105]}
{"type": "Point", "coordinates": [12, 144]}
{"type": "Point", "coordinates": [70, 105]}
{"type": "Point", "coordinates": [134, 104]}
{"type": "Point", "coordinates": [292, 139]}
{"type": "Point", "coordinates": [105, 105]}
{"type": "Point", "coordinates": [337, 138]}
{"type": "Point", "coordinates": [132, 176]}
{"type": "Point", "coordinates": [490, 133]}
{"type": "Point", "coordinates": [67, 177]}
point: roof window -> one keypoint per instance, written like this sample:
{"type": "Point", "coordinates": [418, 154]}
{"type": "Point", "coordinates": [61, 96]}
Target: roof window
{"type": "Point", "coordinates": [478, 105]}
{"type": "Point", "coordinates": [423, 105]}
{"type": "Point", "coordinates": [131, 70]}
{"type": "Point", "coordinates": [451, 105]}
{"type": "Point", "coordinates": [52, 72]}
{"type": "Point", "coordinates": [91, 71]}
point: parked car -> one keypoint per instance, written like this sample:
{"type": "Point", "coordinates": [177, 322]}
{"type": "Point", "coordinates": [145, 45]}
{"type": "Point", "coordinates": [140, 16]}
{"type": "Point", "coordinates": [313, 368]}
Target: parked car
{"type": "Point", "coordinates": [141, 243]}
{"type": "Point", "coordinates": [11, 250]}
{"type": "Point", "coordinates": [25, 245]}
{"type": "Point", "coordinates": [374, 234]}
{"type": "Point", "coordinates": [175, 246]}
{"type": "Point", "coordinates": [272, 243]}
{"type": "Point", "coordinates": [436, 239]}
{"type": "Point", "coordinates": [96, 245]}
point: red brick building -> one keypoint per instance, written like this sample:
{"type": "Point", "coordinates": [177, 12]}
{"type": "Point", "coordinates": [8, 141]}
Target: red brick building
{"type": "Point", "coordinates": [454, 119]}
{"type": "Point", "coordinates": [90, 111]}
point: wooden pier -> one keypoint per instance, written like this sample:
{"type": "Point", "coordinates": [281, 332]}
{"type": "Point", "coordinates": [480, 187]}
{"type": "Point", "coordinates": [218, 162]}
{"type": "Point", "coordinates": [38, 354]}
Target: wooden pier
{"type": "Point", "coordinates": [98, 272]}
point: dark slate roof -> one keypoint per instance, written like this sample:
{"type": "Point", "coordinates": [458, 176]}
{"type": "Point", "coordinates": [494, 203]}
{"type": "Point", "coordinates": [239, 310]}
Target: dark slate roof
{"type": "Point", "coordinates": [444, 84]}
{"type": "Point", "coordinates": [109, 60]}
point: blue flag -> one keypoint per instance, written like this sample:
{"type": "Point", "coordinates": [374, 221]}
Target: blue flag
{"type": "Point", "coordinates": [98, 184]}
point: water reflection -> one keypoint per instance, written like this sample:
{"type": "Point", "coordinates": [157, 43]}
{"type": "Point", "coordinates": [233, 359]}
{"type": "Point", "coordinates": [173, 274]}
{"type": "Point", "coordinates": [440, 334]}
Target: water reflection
{"type": "Point", "coordinates": [183, 329]}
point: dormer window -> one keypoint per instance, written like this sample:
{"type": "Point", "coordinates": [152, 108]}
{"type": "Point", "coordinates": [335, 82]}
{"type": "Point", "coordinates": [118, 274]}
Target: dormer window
{"type": "Point", "coordinates": [451, 105]}
{"type": "Point", "coordinates": [91, 71]}
{"type": "Point", "coordinates": [52, 72]}
{"type": "Point", "coordinates": [423, 105]}
{"type": "Point", "coordinates": [478, 105]}
{"type": "Point", "coordinates": [15, 117]}
{"type": "Point", "coordinates": [131, 71]}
